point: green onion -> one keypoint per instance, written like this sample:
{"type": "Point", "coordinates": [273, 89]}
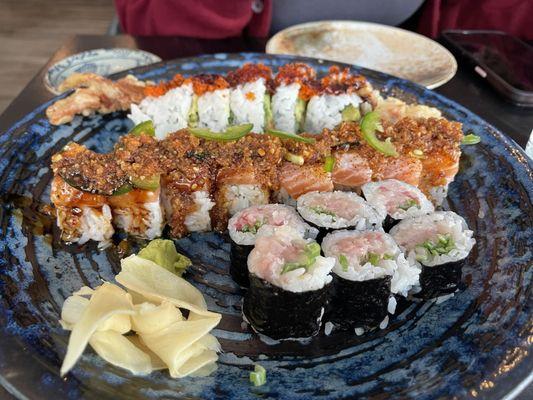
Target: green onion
{"type": "Point", "coordinates": [343, 261]}
{"type": "Point", "coordinates": [322, 210]}
{"type": "Point", "coordinates": [146, 127]}
{"type": "Point", "coordinates": [444, 245]}
{"type": "Point", "coordinates": [471, 139]}
{"type": "Point", "coordinates": [369, 125]}
{"type": "Point", "coordinates": [373, 258]}
{"type": "Point", "coordinates": [253, 228]}
{"type": "Point", "coordinates": [388, 257]}
{"type": "Point", "coordinates": [408, 204]}
{"type": "Point", "coordinates": [232, 133]}
{"type": "Point", "coordinates": [312, 250]}
{"type": "Point", "coordinates": [258, 375]}
{"type": "Point", "coordinates": [329, 163]}
{"type": "Point", "coordinates": [288, 135]}
{"type": "Point", "coordinates": [294, 158]}
{"type": "Point", "coordinates": [287, 267]}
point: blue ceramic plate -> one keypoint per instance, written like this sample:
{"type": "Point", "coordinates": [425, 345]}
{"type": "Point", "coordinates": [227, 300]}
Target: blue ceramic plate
{"type": "Point", "coordinates": [476, 344]}
{"type": "Point", "coordinates": [99, 61]}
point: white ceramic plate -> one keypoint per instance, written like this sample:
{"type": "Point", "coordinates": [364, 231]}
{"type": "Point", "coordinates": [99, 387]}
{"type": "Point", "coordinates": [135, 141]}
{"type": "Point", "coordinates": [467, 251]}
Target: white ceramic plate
{"type": "Point", "coordinates": [383, 48]}
{"type": "Point", "coordinates": [99, 61]}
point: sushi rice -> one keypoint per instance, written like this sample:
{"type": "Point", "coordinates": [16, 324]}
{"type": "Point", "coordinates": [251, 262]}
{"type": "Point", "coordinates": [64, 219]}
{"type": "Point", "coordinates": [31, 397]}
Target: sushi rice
{"type": "Point", "coordinates": [435, 239]}
{"type": "Point", "coordinates": [94, 224]}
{"type": "Point", "coordinates": [277, 245]}
{"type": "Point", "coordinates": [353, 250]}
{"type": "Point", "coordinates": [247, 102]}
{"type": "Point", "coordinates": [285, 107]}
{"type": "Point", "coordinates": [240, 197]}
{"type": "Point", "coordinates": [169, 112]}
{"type": "Point", "coordinates": [200, 219]}
{"type": "Point", "coordinates": [141, 220]}
{"type": "Point", "coordinates": [324, 111]}
{"type": "Point", "coordinates": [337, 210]}
{"type": "Point", "coordinates": [214, 110]}
{"type": "Point", "coordinates": [397, 199]}
{"type": "Point", "coordinates": [243, 227]}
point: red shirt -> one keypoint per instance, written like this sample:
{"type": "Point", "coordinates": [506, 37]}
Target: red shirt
{"type": "Point", "coordinates": [207, 19]}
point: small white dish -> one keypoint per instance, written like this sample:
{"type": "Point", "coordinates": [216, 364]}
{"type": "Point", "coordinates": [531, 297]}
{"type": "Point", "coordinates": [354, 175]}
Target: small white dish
{"type": "Point", "coordinates": [99, 61]}
{"type": "Point", "coordinates": [379, 47]}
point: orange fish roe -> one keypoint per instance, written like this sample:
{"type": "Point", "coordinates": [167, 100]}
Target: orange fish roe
{"type": "Point", "coordinates": [337, 81]}
{"type": "Point", "coordinates": [163, 87]}
{"type": "Point", "coordinates": [208, 83]}
{"type": "Point", "coordinates": [249, 73]}
{"type": "Point", "coordinates": [250, 96]}
{"type": "Point", "coordinates": [298, 73]}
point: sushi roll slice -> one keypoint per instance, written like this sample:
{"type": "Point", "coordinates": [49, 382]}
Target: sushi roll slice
{"type": "Point", "coordinates": [338, 210]}
{"type": "Point", "coordinates": [339, 99]}
{"type": "Point", "coordinates": [81, 216]}
{"type": "Point", "coordinates": [244, 226]}
{"type": "Point", "coordinates": [293, 86]}
{"type": "Point", "coordinates": [350, 171]}
{"type": "Point", "coordinates": [138, 212]}
{"type": "Point", "coordinates": [288, 284]}
{"type": "Point", "coordinates": [439, 242]}
{"type": "Point", "coordinates": [250, 96]}
{"type": "Point", "coordinates": [296, 180]}
{"type": "Point", "coordinates": [211, 103]}
{"type": "Point", "coordinates": [397, 200]}
{"type": "Point", "coordinates": [368, 267]}
{"type": "Point", "coordinates": [171, 110]}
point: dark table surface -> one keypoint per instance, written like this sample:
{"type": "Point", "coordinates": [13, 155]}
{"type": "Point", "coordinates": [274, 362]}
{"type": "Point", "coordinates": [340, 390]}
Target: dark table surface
{"type": "Point", "coordinates": [466, 88]}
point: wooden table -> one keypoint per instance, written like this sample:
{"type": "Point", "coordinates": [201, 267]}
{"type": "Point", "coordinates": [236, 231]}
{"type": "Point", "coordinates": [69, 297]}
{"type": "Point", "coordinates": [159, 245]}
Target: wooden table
{"type": "Point", "coordinates": [466, 88]}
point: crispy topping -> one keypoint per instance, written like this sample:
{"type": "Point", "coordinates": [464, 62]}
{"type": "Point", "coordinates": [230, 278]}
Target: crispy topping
{"type": "Point", "coordinates": [208, 83]}
{"type": "Point", "coordinates": [163, 87]}
{"type": "Point", "coordinates": [249, 73]}
{"type": "Point", "coordinates": [337, 81]}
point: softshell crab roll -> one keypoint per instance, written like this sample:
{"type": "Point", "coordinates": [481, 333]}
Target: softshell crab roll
{"type": "Point", "coordinates": [250, 96]}
{"type": "Point", "coordinates": [289, 282]}
{"type": "Point", "coordinates": [338, 210]}
{"type": "Point", "coordinates": [83, 180]}
{"type": "Point", "coordinates": [397, 200]}
{"type": "Point", "coordinates": [211, 108]}
{"type": "Point", "coordinates": [440, 242]}
{"type": "Point", "coordinates": [293, 88]}
{"type": "Point", "coordinates": [369, 266]}
{"type": "Point", "coordinates": [136, 208]}
{"type": "Point", "coordinates": [340, 98]}
{"type": "Point", "coordinates": [244, 226]}
{"type": "Point", "coordinates": [170, 105]}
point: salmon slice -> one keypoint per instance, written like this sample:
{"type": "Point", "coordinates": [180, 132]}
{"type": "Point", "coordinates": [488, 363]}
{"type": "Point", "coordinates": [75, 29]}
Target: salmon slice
{"type": "Point", "coordinates": [351, 170]}
{"type": "Point", "coordinates": [237, 176]}
{"type": "Point", "coordinates": [405, 169]}
{"type": "Point", "coordinates": [298, 180]}
{"type": "Point", "coordinates": [133, 197]}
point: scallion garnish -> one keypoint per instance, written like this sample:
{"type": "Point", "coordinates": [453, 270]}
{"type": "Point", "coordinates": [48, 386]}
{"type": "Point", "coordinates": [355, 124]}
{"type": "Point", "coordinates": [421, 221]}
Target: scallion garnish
{"type": "Point", "coordinates": [471, 139]}
{"type": "Point", "coordinates": [408, 204]}
{"type": "Point", "coordinates": [444, 245]}
{"type": "Point", "coordinates": [258, 375]}
{"type": "Point", "coordinates": [253, 228]}
{"type": "Point", "coordinates": [373, 258]}
{"type": "Point", "coordinates": [322, 210]}
{"type": "Point", "coordinates": [329, 163]}
{"type": "Point", "coordinates": [343, 261]}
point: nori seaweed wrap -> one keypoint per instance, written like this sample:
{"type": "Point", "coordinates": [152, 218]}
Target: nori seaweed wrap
{"type": "Point", "coordinates": [440, 280]}
{"type": "Point", "coordinates": [289, 282]}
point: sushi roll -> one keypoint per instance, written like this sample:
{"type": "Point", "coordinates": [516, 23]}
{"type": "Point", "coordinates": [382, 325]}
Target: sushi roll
{"type": "Point", "coordinates": [397, 200]}
{"type": "Point", "coordinates": [439, 242]}
{"type": "Point", "coordinates": [293, 86]}
{"type": "Point", "coordinates": [338, 210]}
{"type": "Point", "coordinates": [339, 98]}
{"type": "Point", "coordinates": [244, 226]}
{"type": "Point", "coordinates": [250, 96]}
{"type": "Point", "coordinates": [211, 103]}
{"type": "Point", "coordinates": [288, 284]}
{"type": "Point", "coordinates": [172, 110]}
{"type": "Point", "coordinates": [81, 216]}
{"type": "Point", "coordinates": [368, 267]}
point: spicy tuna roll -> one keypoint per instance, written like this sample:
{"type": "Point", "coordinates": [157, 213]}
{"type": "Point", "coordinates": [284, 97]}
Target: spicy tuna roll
{"type": "Point", "coordinates": [440, 242]}
{"type": "Point", "coordinates": [244, 226]}
{"type": "Point", "coordinates": [211, 102]}
{"type": "Point", "coordinates": [250, 96]}
{"type": "Point", "coordinates": [338, 210]}
{"type": "Point", "coordinates": [338, 99]}
{"type": "Point", "coordinates": [369, 266]}
{"type": "Point", "coordinates": [169, 106]}
{"type": "Point", "coordinates": [288, 284]}
{"type": "Point", "coordinates": [293, 85]}
{"type": "Point", "coordinates": [397, 200]}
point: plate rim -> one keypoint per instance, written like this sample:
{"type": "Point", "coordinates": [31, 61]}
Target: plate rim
{"type": "Point", "coordinates": [273, 43]}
